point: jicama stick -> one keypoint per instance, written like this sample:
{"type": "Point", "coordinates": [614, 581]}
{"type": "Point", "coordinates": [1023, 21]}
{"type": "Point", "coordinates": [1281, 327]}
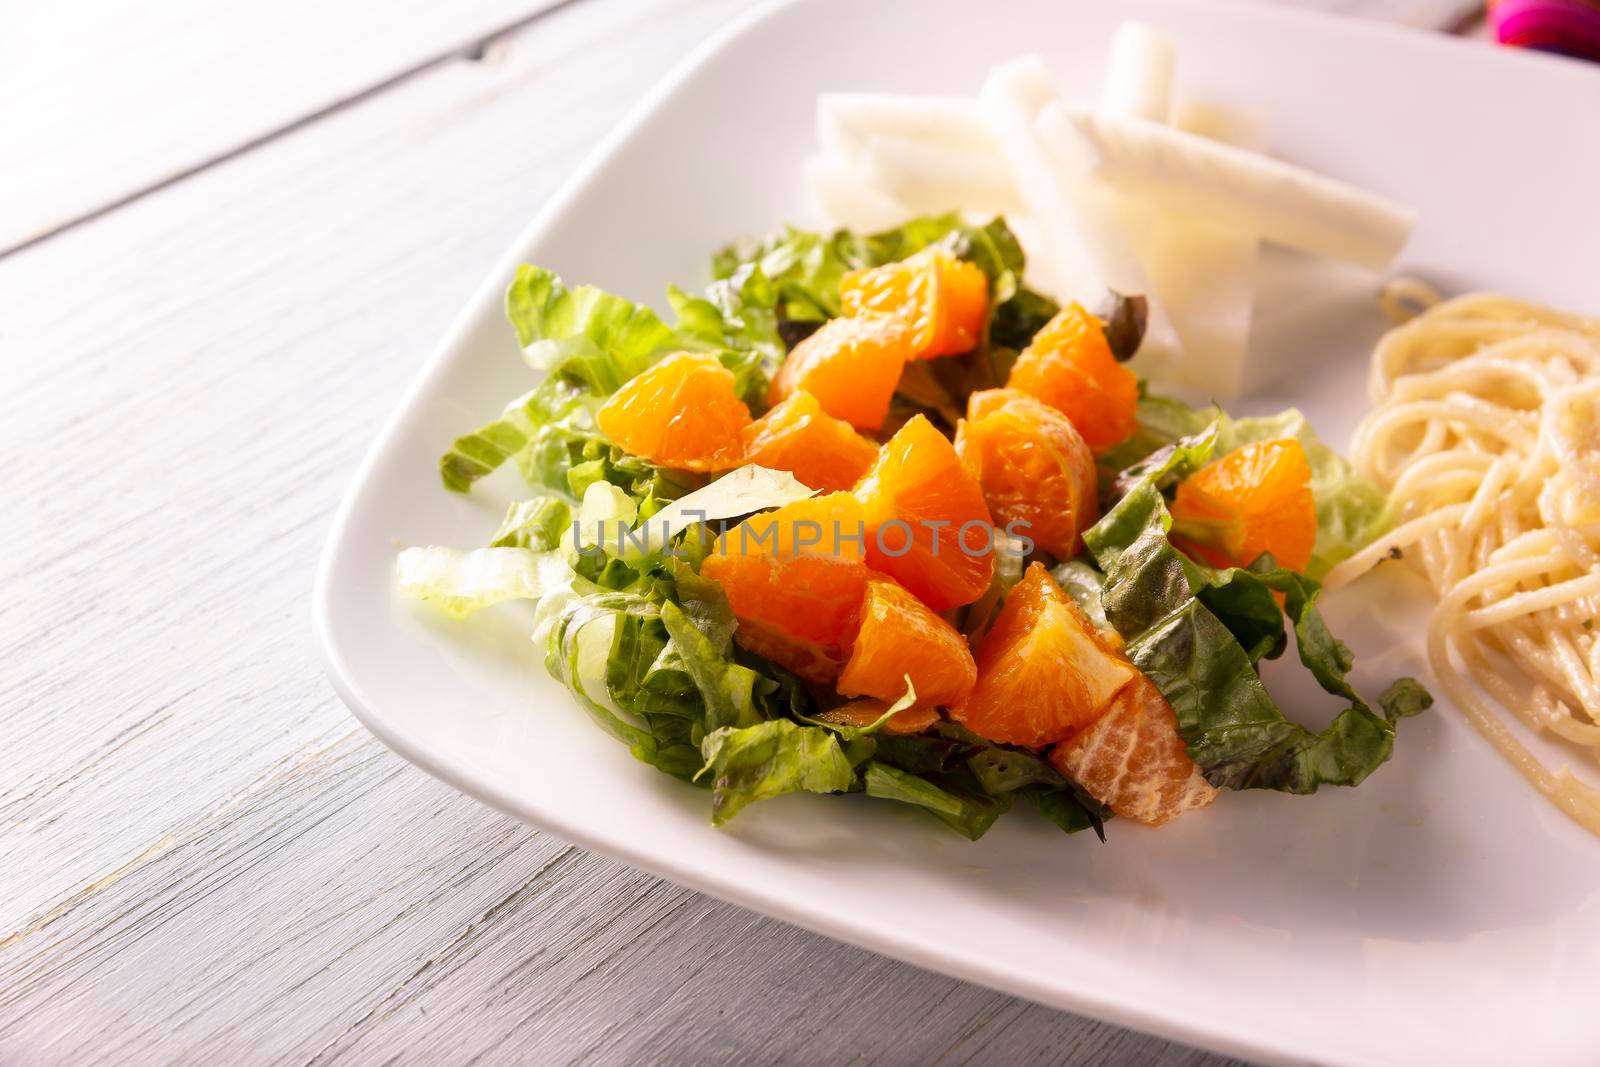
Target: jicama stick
{"type": "Point", "coordinates": [1205, 273]}
{"type": "Point", "coordinates": [845, 121]}
{"type": "Point", "coordinates": [1282, 203]}
{"type": "Point", "coordinates": [1084, 240]}
{"type": "Point", "coordinates": [1139, 73]}
{"type": "Point", "coordinates": [844, 198]}
{"type": "Point", "coordinates": [931, 178]}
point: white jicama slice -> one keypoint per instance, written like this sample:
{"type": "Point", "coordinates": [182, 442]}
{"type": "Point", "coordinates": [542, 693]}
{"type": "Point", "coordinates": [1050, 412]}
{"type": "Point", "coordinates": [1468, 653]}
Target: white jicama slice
{"type": "Point", "coordinates": [844, 197]}
{"type": "Point", "coordinates": [1139, 73]}
{"type": "Point", "coordinates": [1204, 272]}
{"type": "Point", "coordinates": [1282, 203]}
{"type": "Point", "coordinates": [930, 178]}
{"type": "Point", "coordinates": [845, 121]}
{"type": "Point", "coordinates": [1084, 242]}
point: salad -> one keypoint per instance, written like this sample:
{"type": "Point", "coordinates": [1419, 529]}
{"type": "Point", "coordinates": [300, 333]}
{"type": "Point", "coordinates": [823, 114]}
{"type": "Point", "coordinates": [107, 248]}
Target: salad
{"type": "Point", "coordinates": [870, 515]}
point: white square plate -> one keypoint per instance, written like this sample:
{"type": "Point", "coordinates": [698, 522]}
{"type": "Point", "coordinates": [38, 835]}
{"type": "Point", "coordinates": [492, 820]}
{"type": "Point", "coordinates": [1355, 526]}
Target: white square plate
{"type": "Point", "coordinates": [1441, 913]}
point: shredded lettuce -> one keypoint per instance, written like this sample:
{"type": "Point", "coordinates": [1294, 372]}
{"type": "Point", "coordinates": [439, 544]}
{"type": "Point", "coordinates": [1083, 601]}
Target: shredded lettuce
{"type": "Point", "coordinates": [584, 344]}
{"type": "Point", "coordinates": [768, 760]}
{"type": "Point", "coordinates": [459, 582]}
{"type": "Point", "coordinates": [971, 814]}
{"type": "Point", "coordinates": [539, 523]}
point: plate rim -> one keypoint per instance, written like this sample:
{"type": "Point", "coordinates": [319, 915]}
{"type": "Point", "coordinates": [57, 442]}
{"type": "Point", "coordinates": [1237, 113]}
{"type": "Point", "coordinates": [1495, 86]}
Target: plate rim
{"type": "Point", "coordinates": [951, 960]}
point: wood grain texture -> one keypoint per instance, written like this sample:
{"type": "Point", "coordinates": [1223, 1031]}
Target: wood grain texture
{"type": "Point", "coordinates": [202, 858]}
{"type": "Point", "coordinates": [122, 96]}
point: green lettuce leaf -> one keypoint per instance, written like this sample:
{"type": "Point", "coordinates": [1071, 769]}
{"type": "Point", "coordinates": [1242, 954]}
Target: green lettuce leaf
{"type": "Point", "coordinates": [540, 523]}
{"type": "Point", "coordinates": [969, 812]}
{"type": "Point", "coordinates": [459, 582]}
{"type": "Point", "coordinates": [647, 646]}
{"type": "Point", "coordinates": [1165, 607]}
{"type": "Point", "coordinates": [1086, 586]}
{"type": "Point", "coordinates": [971, 782]}
{"type": "Point", "coordinates": [592, 335]}
{"type": "Point", "coordinates": [767, 760]}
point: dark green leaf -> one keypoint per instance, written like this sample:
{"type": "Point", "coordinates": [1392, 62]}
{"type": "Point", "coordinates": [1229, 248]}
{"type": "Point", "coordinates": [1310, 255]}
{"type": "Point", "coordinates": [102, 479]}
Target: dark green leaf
{"type": "Point", "coordinates": [1071, 809]}
{"type": "Point", "coordinates": [966, 810]}
{"type": "Point", "coordinates": [1233, 729]}
{"type": "Point", "coordinates": [1124, 319]}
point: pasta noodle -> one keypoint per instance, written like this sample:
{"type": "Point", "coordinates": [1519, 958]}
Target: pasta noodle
{"type": "Point", "coordinates": [1487, 435]}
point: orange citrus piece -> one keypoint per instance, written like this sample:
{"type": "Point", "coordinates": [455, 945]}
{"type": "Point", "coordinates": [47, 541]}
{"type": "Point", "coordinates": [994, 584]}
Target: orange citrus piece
{"type": "Point", "coordinates": [1132, 760]}
{"type": "Point", "coordinates": [863, 713]}
{"type": "Point", "coordinates": [1069, 366]}
{"type": "Point", "coordinates": [944, 300]}
{"type": "Point", "coordinates": [1038, 476]}
{"type": "Point", "coordinates": [1255, 499]}
{"type": "Point", "coordinates": [927, 524]}
{"type": "Point", "coordinates": [851, 365]}
{"type": "Point", "coordinates": [799, 437]}
{"type": "Point", "coordinates": [795, 578]}
{"type": "Point", "coordinates": [682, 412]}
{"type": "Point", "coordinates": [1044, 672]}
{"type": "Point", "coordinates": [901, 636]}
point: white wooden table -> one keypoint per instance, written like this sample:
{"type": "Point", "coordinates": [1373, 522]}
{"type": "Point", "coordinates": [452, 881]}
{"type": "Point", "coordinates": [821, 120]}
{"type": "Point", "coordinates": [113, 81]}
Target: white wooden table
{"type": "Point", "coordinates": [229, 234]}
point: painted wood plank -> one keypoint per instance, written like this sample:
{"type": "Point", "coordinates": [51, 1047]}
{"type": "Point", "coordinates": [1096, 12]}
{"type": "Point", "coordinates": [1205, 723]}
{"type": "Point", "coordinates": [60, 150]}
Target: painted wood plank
{"type": "Point", "coordinates": [106, 99]}
{"type": "Point", "coordinates": [202, 859]}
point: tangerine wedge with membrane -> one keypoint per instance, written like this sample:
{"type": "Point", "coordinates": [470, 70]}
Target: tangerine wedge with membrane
{"type": "Point", "coordinates": [901, 637]}
{"type": "Point", "coordinates": [1069, 366]}
{"type": "Point", "coordinates": [1037, 474]}
{"type": "Point", "coordinates": [943, 300]}
{"type": "Point", "coordinates": [795, 578]}
{"type": "Point", "coordinates": [799, 437]}
{"type": "Point", "coordinates": [851, 366]}
{"type": "Point", "coordinates": [927, 524]}
{"type": "Point", "coordinates": [683, 412]}
{"type": "Point", "coordinates": [1255, 499]}
{"type": "Point", "coordinates": [1132, 759]}
{"type": "Point", "coordinates": [1044, 671]}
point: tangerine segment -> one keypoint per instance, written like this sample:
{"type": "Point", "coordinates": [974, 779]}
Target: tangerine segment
{"type": "Point", "coordinates": [927, 524]}
{"type": "Point", "coordinates": [863, 713]}
{"type": "Point", "coordinates": [795, 578]}
{"type": "Point", "coordinates": [1255, 499]}
{"type": "Point", "coordinates": [799, 437]}
{"type": "Point", "coordinates": [851, 365]}
{"type": "Point", "coordinates": [682, 412]}
{"type": "Point", "coordinates": [1069, 366]}
{"type": "Point", "coordinates": [1038, 476]}
{"type": "Point", "coordinates": [1132, 760]}
{"type": "Point", "coordinates": [944, 300]}
{"type": "Point", "coordinates": [901, 637]}
{"type": "Point", "coordinates": [1043, 670]}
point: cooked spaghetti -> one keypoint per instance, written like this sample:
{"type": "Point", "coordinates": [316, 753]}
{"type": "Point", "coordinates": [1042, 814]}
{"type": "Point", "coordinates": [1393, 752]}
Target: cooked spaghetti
{"type": "Point", "coordinates": [1487, 435]}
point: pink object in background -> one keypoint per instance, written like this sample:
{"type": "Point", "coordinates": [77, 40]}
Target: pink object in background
{"type": "Point", "coordinates": [1569, 27]}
